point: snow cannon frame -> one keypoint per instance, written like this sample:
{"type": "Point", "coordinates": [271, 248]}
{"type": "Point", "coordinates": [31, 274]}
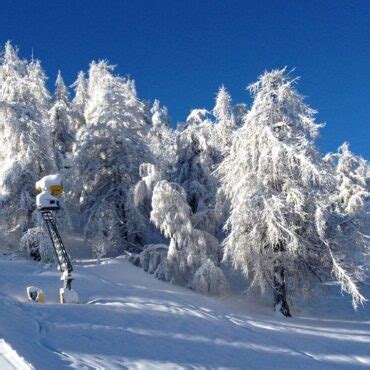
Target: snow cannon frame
{"type": "Point", "coordinates": [49, 188]}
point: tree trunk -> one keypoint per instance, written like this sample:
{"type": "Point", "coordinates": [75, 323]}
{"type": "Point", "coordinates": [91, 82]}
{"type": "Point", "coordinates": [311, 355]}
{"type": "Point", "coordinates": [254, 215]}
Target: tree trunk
{"type": "Point", "coordinates": [280, 302]}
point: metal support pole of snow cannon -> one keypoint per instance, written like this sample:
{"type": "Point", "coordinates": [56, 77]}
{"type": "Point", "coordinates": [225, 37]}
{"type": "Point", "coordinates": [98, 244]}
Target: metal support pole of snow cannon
{"type": "Point", "coordinates": [49, 189]}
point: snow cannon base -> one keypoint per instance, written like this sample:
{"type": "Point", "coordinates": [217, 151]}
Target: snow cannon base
{"type": "Point", "coordinates": [46, 201]}
{"type": "Point", "coordinates": [68, 296]}
{"type": "Point", "coordinates": [35, 294]}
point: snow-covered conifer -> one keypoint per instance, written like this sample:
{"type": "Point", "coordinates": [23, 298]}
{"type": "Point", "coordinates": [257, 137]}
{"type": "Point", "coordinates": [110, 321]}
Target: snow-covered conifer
{"type": "Point", "coordinates": [196, 158]}
{"type": "Point", "coordinates": [350, 198]}
{"type": "Point", "coordinates": [161, 138]}
{"type": "Point", "coordinates": [280, 228]}
{"type": "Point", "coordinates": [108, 154]}
{"type": "Point", "coordinates": [225, 125]}
{"type": "Point", "coordinates": [223, 133]}
{"type": "Point", "coordinates": [99, 248]}
{"type": "Point", "coordinates": [351, 174]}
{"type": "Point", "coordinates": [61, 91]}
{"type": "Point", "coordinates": [25, 143]}
{"type": "Point", "coordinates": [36, 243]}
{"type": "Point", "coordinates": [60, 118]}
{"type": "Point", "coordinates": [79, 102]}
{"type": "Point", "coordinates": [141, 230]}
{"type": "Point", "coordinates": [197, 116]}
{"type": "Point", "coordinates": [239, 111]}
{"type": "Point", "coordinates": [37, 83]}
{"type": "Point", "coordinates": [160, 116]}
{"type": "Point", "coordinates": [190, 247]}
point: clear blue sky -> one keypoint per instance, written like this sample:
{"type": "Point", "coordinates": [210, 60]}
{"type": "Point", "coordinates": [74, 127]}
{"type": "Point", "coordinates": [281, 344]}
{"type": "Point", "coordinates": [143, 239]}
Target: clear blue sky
{"type": "Point", "coordinates": [181, 51]}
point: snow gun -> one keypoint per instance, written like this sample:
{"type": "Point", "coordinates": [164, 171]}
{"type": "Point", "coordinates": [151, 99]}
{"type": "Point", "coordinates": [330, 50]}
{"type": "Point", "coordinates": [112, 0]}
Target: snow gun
{"type": "Point", "coordinates": [49, 188]}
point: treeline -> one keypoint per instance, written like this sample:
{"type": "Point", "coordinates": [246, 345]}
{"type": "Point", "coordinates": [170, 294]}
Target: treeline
{"type": "Point", "coordinates": [238, 186]}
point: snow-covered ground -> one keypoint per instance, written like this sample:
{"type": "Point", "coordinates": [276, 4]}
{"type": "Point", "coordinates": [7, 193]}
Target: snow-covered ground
{"type": "Point", "coordinates": [128, 319]}
{"type": "Point", "coordinates": [10, 360]}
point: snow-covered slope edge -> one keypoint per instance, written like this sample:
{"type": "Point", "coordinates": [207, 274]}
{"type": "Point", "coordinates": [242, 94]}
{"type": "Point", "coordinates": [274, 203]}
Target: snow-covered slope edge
{"type": "Point", "coordinates": [9, 359]}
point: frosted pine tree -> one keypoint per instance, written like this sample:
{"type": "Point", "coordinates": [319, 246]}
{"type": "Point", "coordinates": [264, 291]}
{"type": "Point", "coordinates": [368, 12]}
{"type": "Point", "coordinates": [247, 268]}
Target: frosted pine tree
{"type": "Point", "coordinates": [108, 155]}
{"type": "Point", "coordinates": [141, 230]}
{"type": "Point", "coordinates": [60, 118]}
{"type": "Point", "coordinates": [25, 143]}
{"type": "Point", "coordinates": [196, 158]}
{"type": "Point", "coordinates": [61, 92]}
{"type": "Point", "coordinates": [36, 244]}
{"type": "Point", "coordinates": [159, 116]}
{"type": "Point", "coordinates": [239, 111]}
{"type": "Point", "coordinates": [281, 232]}
{"type": "Point", "coordinates": [40, 96]}
{"type": "Point", "coordinates": [79, 102]}
{"type": "Point", "coordinates": [161, 138]}
{"type": "Point", "coordinates": [223, 133]}
{"type": "Point", "coordinates": [225, 125]}
{"type": "Point", "coordinates": [351, 196]}
{"type": "Point", "coordinates": [190, 249]}
{"type": "Point", "coordinates": [351, 173]}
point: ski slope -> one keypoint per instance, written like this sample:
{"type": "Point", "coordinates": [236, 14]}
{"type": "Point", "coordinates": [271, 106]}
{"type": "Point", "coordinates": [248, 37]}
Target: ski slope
{"type": "Point", "coordinates": [128, 319]}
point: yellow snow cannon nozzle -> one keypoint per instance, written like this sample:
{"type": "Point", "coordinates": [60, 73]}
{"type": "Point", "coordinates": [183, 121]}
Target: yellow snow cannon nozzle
{"type": "Point", "coordinates": [51, 184]}
{"type": "Point", "coordinates": [56, 190]}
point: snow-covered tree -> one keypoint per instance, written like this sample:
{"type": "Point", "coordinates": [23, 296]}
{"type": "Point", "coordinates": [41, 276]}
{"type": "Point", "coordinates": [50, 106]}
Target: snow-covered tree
{"type": "Point", "coordinates": [61, 91]}
{"type": "Point", "coordinates": [239, 111]}
{"type": "Point", "coordinates": [108, 154]}
{"type": "Point", "coordinates": [197, 116]}
{"type": "Point", "coordinates": [351, 171]}
{"type": "Point", "coordinates": [159, 115]}
{"type": "Point", "coordinates": [79, 102]}
{"type": "Point", "coordinates": [349, 201]}
{"type": "Point", "coordinates": [223, 133]}
{"type": "Point", "coordinates": [36, 243]}
{"type": "Point", "coordinates": [196, 158]}
{"type": "Point", "coordinates": [37, 84]}
{"type": "Point", "coordinates": [141, 230]}
{"type": "Point", "coordinates": [225, 125]}
{"type": "Point", "coordinates": [60, 118]}
{"type": "Point", "coordinates": [99, 247]}
{"type": "Point", "coordinates": [281, 232]}
{"type": "Point", "coordinates": [190, 248]}
{"type": "Point", "coordinates": [161, 138]}
{"type": "Point", "coordinates": [25, 143]}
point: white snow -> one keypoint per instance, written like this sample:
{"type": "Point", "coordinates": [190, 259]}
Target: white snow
{"type": "Point", "coordinates": [10, 360]}
{"type": "Point", "coordinates": [128, 319]}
